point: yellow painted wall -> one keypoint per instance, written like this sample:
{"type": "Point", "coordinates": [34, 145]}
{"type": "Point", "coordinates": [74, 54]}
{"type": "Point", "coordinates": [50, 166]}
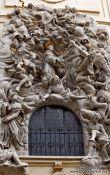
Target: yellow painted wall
{"type": "Point", "coordinates": [98, 9]}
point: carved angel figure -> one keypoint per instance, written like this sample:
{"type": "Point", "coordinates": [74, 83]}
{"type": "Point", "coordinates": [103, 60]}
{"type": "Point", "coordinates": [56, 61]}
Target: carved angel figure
{"type": "Point", "coordinates": [56, 90]}
{"type": "Point", "coordinates": [24, 68]}
{"type": "Point", "coordinates": [97, 133]}
{"type": "Point", "coordinates": [101, 62]}
{"type": "Point", "coordinates": [12, 119]}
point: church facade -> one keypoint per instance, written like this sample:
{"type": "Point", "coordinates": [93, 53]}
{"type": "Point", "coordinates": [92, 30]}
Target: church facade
{"type": "Point", "coordinates": [55, 90]}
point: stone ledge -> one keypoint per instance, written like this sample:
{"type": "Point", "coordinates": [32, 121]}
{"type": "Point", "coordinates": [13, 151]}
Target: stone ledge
{"type": "Point", "coordinates": [50, 160]}
{"type": "Point", "coordinates": [44, 165]}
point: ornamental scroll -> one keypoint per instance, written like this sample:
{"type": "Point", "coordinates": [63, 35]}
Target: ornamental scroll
{"type": "Point", "coordinates": [55, 55]}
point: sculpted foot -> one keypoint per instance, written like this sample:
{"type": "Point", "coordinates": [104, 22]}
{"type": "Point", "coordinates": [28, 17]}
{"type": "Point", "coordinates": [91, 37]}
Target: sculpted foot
{"type": "Point", "coordinates": [88, 157]}
{"type": "Point", "coordinates": [92, 140]}
{"type": "Point", "coordinates": [22, 164]}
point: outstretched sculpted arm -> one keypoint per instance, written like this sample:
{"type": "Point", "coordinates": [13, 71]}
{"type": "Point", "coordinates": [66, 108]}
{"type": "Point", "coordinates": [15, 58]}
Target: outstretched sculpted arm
{"type": "Point", "coordinates": [75, 97]}
{"type": "Point", "coordinates": [87, 113]}
{"type": "Point", "coordinates": [79, 48]}
{"type": "Point", "coordinates": [97, 104]}
{"type": "Point", "coordinates": [11, 117]}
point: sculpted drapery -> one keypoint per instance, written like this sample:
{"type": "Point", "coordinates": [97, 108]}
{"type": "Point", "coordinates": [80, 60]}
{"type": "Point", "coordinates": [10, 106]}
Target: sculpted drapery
{"type": "Point", "coordinates": [55, 55]}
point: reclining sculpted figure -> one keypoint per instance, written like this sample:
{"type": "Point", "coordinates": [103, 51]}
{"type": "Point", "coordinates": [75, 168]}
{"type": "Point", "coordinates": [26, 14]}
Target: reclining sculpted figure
{"type": "Point", "coordinates": [7, 156]}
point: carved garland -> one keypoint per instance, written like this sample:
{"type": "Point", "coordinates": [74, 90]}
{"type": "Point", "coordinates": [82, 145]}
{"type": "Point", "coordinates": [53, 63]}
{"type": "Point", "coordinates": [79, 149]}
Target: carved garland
{"type": "Point", "coordinates": [55, 55]}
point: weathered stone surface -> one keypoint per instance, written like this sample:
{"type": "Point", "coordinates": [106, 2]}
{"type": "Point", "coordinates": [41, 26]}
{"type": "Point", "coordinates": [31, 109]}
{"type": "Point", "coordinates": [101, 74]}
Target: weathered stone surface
{"type": "Point", "coordinates": [55, 56]}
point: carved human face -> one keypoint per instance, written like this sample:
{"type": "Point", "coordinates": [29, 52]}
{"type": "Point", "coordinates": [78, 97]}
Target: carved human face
{"type": "Point", "coordinates": [91, 57]}
{"type": "Point", "coordinates": [77, 91]}
{"type": "Point", "coordinates": [102, 34]}
{"type": "Point", "coordinates": [101, 77]}
{"type": "Point", "coordinates": [44, 81]}
{"type": "Point", "coordinates": [25, 62]}
{"type": "Point", "coordinates": [20, 38]}
{"type": "Point", "coordinates": [51, 48]}
{"type": "Point", "coordinates": [78, 31]}
{"type": "Point", "coordinates": [102, 99]}
{"type": "Point", "coordinates": [96, 117]}
{"type": "Point", "coordinates": [16, 22]}
{"type": "Point", "coordinates": [56, 79]}
{"type": "Point", "coordinates": [59, 13]}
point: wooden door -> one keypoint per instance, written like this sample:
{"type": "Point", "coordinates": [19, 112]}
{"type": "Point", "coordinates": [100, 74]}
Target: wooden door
{"type": "Point", "coordinates": [55, 131]}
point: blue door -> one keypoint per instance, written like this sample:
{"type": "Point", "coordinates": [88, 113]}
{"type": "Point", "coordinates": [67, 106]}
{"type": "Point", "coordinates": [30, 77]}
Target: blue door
{"type": "Point", "coordinates": [55, 131]}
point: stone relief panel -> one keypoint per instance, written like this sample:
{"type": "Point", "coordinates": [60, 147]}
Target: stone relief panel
{"type": "Point", "coordinates": [51, 55]}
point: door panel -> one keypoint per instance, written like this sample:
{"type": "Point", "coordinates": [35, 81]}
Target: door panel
{"type": "Point", "coordinates": [55, 131]}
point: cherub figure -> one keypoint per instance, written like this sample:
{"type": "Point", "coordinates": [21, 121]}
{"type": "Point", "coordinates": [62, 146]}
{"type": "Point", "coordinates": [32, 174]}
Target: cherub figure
{"type": "Point", "coordinates": [102, 34]}
{"type": "Point", "coordinates": [25, 67]}
{"type": "Point", "coordinates": [97, 103]}
{"type": "Point", "coordinates": [57, 90]}
{"type": "Point", "coordinates": [93, 126]}
{"type": "Point", "coordinates": [97, 133]}
{"type": "Point", "coordinates": [100, 62]}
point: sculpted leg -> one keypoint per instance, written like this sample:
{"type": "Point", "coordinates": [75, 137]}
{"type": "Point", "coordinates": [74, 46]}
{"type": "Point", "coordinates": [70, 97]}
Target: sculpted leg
{"type": "Point", "coordinates": [90, 151]}
{"type": "Point", "coordinates": [95, 133]}
{"type": "Point", "coordinates": [105, 156]}
{"type": "Point", "coordinates": [17, 160]}
{"type": "Point", "coordinates": [86, 112]}
{"type": "Point", "coordinates": [22, 82]}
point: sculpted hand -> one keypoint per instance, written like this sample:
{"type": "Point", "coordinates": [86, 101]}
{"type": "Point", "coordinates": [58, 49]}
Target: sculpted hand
{"type": "Point", "coordinates": [5, 120]}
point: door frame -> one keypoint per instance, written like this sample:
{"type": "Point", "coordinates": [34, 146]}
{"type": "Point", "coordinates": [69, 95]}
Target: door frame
{"type": "Point", "coordinates": [72, 106]}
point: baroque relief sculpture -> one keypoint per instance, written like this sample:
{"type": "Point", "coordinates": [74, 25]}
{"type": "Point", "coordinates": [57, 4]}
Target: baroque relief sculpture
{"type": "Point", "coordinates": [55, 55]}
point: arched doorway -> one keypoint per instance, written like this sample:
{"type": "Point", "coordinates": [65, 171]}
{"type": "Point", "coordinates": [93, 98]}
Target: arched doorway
{"type": "Point", "coordinates": [55, 131]}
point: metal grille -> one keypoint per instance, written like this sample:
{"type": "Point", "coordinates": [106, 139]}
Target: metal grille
{"type": "Point", "coordinates": [53, 140]}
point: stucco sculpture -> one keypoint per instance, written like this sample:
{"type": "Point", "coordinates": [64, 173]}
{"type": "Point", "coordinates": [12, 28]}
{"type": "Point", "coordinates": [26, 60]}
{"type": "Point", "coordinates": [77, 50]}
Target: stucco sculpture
{"type": "Point", "coordinates": [8, 155]}
{"type": "Point", "coordinates": [97, 133]}
{"type": "Point", "coordinates": [55, 55]}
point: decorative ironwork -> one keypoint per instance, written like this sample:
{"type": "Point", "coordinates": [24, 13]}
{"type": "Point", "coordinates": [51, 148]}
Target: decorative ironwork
{"type": "Point", "coordinates": [55, 141]}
